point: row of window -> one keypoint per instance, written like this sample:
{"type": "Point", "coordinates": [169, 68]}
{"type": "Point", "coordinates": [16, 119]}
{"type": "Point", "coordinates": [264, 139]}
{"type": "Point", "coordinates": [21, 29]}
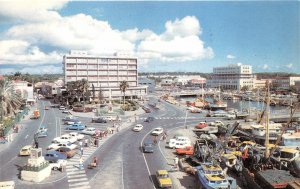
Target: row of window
{"type": "Point", "coordinates": [101, 60]}
{"type": "Point", "coordinates": [93, 66]}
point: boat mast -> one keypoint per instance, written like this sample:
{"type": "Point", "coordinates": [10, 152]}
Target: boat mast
{"type": "Point", "coordinates": [267, 152]}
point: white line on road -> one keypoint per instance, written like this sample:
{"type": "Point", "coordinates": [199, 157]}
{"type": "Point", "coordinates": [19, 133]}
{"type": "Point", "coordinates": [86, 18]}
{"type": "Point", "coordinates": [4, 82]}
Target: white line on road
{"type": "Point", "coordinates": [122, 175]}
{"type": "Point", "coordinates": [145, 158]}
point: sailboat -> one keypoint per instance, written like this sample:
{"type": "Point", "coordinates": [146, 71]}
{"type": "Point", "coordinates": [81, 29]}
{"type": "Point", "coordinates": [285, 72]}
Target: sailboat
{"type": "Point", "coordinates": [259, 171]}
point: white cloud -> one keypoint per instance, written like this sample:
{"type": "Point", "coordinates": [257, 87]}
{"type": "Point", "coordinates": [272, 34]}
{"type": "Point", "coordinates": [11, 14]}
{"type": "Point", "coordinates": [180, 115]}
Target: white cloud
{"type": "Point", "coordinates": [179, 43]}
{"type": "Point", "coordinates": [229, 56]}
{"type": "Point", "coordinates": [40, 25]}
{"type": "Point", "coordinates": [265, 67]}
{"type": "Point", "coordinates": [21, 52]}
{"type": "Point", "coordinates": [30, 10]}
{"type": "Point", "coordinates": [43, 69]}
{"type": "Point", "coordinates": [289, 65]}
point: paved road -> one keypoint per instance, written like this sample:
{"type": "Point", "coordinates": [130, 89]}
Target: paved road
{"type": "Point", "coordinates": [122, 164]}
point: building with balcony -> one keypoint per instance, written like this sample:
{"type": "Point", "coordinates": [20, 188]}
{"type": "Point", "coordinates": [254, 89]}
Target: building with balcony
{"type": "Point", "coordinates": [233, 77]}
{"type": "Point", "coordinates": [105, 73]}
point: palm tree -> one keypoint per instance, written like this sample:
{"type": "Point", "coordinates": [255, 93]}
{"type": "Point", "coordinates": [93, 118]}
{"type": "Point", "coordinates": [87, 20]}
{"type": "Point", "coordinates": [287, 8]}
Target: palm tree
{"type": "Point", "coordinates": [10, 101]}
{"type": "Point", "coordinates": [83, 87]}
{"type": "Point", "coordinates": [123, 87]}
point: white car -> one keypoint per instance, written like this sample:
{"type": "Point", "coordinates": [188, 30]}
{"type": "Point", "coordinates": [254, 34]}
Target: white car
{"type": "Point", "coordinates": [216, 123]}
{"type": "Point", "coordinates": [64, 138]}
{"type": "Point", "coordinates": [55, 146]}
{"type": "Point", "coordinates": [76, 135]}
{"type": "Point", "coordinates": [65, 111]}
{"type": "Point", "coordinates": [62, 108]}
{"type": "Point", "coordinates": [71, 122]}
{"type": "Point", "coordinates": [138, 127]}
{"type": "Point", "coordinates": [180, 144]}
{"type": "Point", "coordinates": [157, 131]}
{"type": "Point", "coordinates": [89, 131]}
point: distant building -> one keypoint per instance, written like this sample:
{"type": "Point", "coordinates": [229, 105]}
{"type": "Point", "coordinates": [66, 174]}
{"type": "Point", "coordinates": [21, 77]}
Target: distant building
{"type": "Point", "coordinates": [105, 72]}
{"type": "Point", "coordinates": [189, 79]}
{"type": "Point", "coordinates": [260, 83]}
{"type": "Point", "coordinates": [47, 88]}
{"type": "Point", "coordinates": [285, 82]}
{"type": "Point", "coordinates": [166, 82]}
{"type": "Point", "coordinates": [233, 77]}
{"type": "Point", "coordinates": [25, 89]}
{"type": "Point", "coordinates": [297, 86]}
{"type": "Point", "coordinates": [144, 81]}
{"type": "Point", "coordinates": [197, 82]}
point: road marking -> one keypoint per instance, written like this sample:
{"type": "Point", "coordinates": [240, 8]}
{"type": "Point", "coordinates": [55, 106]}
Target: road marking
{"type": "Point", "coordinates": [78, 179]}
{"type": "Point", "coordinates": [145, 158]}
{"type": "Point", "coordinates": [55, 126]}
{"type": "Point", "coordinates": [123, 174]}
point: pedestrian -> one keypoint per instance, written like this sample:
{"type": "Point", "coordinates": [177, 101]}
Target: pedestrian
{"type": "Point", "coordinates": [96, 142]}
{"type": "Point", "coordinates": [80, 143]}
{"type": "Point", "coordinates": [86, 142]}
{"type": "Point", "coordinates": [80, 163]}
{"type": "Point", "coordinates": [63, 165]}
{"type": "Point", "coordinates": [117, 128]}
{"type": "Point", "coordinates": [176, 162]}
{"type": "Point", "coordinates": [81, 151]}
{"type": "Point", "coordinates": [95, 162]}
{"type": "Point", "coordinates": [155, 140]}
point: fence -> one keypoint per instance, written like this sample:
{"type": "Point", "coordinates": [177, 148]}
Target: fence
{"type": "Point", "coordinates": [10, 123]}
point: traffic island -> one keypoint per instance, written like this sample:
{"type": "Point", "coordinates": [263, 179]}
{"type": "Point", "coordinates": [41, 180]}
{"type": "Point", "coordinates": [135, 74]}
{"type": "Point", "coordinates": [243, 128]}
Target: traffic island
{"type": "Point", "coordinates": [37, 169]}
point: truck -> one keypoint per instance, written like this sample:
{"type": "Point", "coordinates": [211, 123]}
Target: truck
{"type": "Point", "coordinates": [189, 150]}
{"type": "Point", "coordinates": [36, 114]}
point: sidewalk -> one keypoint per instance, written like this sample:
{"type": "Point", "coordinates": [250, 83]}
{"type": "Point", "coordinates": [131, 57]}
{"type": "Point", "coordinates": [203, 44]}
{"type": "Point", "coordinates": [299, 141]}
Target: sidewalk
{"type": "Point", "coordinates": [11, 135]}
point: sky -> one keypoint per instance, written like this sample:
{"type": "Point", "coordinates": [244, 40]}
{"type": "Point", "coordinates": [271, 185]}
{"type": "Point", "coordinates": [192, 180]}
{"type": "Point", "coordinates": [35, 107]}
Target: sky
{"type": "Point", "coordinates": [190, 36]}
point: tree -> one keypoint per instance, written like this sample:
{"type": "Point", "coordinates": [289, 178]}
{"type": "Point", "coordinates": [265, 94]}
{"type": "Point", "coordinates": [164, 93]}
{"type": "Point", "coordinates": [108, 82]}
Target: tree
{"type": "Point", "coordinates": [245, 88]}
{"type": "Point", "coordinates": [10, 101]}
{"type": "Point", "coordinates": [123, 87]}
{"type": "Point", "coordinates": [83, 86]}
{"type": "Point", "coordinates": [100, 96]}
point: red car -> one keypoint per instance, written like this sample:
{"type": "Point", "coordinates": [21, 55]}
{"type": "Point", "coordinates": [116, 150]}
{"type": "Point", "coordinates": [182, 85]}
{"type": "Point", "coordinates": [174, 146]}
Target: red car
{"type": "Point", "coordinates": [189, 150]}
{"type": "Point", "coordinates": [201, 125]}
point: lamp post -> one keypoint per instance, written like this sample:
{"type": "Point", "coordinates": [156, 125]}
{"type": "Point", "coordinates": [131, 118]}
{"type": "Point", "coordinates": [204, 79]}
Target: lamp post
{"type": "Point", "coordinates": [186, 113]}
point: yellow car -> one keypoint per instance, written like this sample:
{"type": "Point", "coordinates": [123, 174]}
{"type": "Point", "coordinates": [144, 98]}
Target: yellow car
{"type": "Point", "coordinates": [25, 151]}
{"type": "Point", "coordinates": [163, 179]}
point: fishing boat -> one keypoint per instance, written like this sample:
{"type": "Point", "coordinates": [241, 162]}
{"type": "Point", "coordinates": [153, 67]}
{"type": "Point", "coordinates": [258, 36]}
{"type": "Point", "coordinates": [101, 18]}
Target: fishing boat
{"type": "Point", "coordinates": [291, 139]}
{"type": "Point", "coordinates": [218, 105]}
{"type": "Point", "coordinates": [211, 176]}
{"type": "Point", "coordinates": [259, 130]}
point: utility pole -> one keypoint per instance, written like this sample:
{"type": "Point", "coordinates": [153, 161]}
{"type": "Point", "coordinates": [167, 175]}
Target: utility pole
{"type": "Point", "coordinates": [186, 113]}
{"type": "Point", "coordinates": [267, 152]}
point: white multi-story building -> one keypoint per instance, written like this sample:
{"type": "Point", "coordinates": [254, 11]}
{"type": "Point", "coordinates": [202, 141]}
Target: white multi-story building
{"type": "Point", "coordinates": [25, 89]}
{"type": "Point", "coordinates": [234, 76]}
{"type": "Point", "coordinates": [104, 72]}
{"type": "Point", "coordinates": [185, 79]}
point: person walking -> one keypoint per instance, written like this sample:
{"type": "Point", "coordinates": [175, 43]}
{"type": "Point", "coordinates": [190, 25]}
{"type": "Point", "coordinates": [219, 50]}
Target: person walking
{"type": "Point", "coordinates": [95, 161]}
{"type": "Point", "coordinates": [63, 165]}
{"type": "Point", "coordinates": [176, 162]}
{"type": "Point", "coordinates": [81, 151]}
{"type": "Point", "coordinates": [80, 163]}
{"type": "Point", "coordinates": [86, 142]}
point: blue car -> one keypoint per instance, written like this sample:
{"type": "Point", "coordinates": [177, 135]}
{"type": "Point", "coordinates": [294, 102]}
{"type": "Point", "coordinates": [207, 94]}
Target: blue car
{"type": "Point", "coordinates": [54, 156]}
{"type": "Point", "coordinates": [76, 127]}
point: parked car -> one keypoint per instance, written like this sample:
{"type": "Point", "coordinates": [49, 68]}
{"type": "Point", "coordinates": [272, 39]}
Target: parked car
{"type": "Point", "coordinates": [72, 121]}
{"type": "Point", "coordinates": [89, 131]}
{"type": "Point", "coordinates": [64, 138]}
{"type": "Point", "coordinates": [216, 123]}
{"type": "Point", "coordinates": [65, 112]}
{"type": "Point", "coordinates": [196, 110]}
{"type": "Point", "coordinates": [25, 151]}
{"type": "Point", "coordinates": [76, 127]}
{"type": "Point", "coordinates": [66, 151]}
{"type": "Point", "coordinates": [148, 147]}
{"type": "Point", "coordinates": [54, 156]}
{"type": "Point", "coordinates": [189, 150]}
{"type": "Point", "coordinates": [230, 116]}
{"type": "Point", "coordinates": [58, 165]}
{"type": "Point", "coordinates": [55, 146]}
{"type": "Point", "coordinates": [138, 127]}
{"type": "Point", "coordinates": [76, 135]}
{"type": "Point", "coordinates": [201, 125]}
{"type": "Point", "coordinates": [163, 179]}
{"type": "Point", "coordinates": [149, 119]}
{"type": "Point", "coordinates": [157, 131]}
{"type": "Point", "coordinates": [98, 120]}
{"type": "Point", "coordinates": [180, 144]}
{"type": "Point", "coordinates": [46, 107]}
{"type": "Point", "coordinates": [62, 108]}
